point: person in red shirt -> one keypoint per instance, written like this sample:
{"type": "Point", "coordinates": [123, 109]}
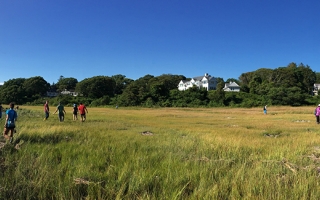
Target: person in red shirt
{"type": "Point", "coordinates": [83, 110]}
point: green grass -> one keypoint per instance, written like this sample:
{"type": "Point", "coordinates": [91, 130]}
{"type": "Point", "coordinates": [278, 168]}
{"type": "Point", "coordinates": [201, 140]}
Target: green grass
{"type": "Point", "coordinates": [218, 153]}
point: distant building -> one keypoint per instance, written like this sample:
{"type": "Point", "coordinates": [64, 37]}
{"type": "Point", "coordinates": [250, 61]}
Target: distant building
{"type": "Point", "coordinates": [207, 81]}
{"type": "Point", "coordinates": [65, 92]}
{"type": "Point", "coordinates": [52, 94]}
{"type": "Point", "coordinates": [69, 92]}
{"type": "Point", "coordinates": [231, 87]}
{"type": "Point", "coordinates": [316, 88]}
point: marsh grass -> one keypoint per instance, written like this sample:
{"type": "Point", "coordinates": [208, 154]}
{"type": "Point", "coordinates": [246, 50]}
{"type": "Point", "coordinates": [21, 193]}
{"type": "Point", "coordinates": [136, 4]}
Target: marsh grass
{"type": "Point", "coordinates": [218, 153]}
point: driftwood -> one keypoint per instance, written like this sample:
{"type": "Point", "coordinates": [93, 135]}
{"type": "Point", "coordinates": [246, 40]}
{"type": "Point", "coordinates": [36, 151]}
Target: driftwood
{"type": "Point", "coordinates": [146, 133]}
{"type": "Point", "coordinates": [79, 181]}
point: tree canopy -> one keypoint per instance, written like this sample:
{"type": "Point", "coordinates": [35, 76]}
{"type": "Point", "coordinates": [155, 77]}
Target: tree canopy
{"type": "Point", "coordinates": [290, 85]}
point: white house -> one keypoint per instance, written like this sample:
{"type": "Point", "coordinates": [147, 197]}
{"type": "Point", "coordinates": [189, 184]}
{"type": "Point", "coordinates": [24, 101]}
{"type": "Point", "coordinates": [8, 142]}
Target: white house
{"type": "Point", "coordinates": [69, 92]}
{"type": "Point", "coordinates": [316, 88]}
{"type": "Point", "coordinates": [65, 92]}
{"type": "Point", "coordinates": [231, 87]}
{"type": "Point", "coordinates": [207, 81]}
{"type": "Point", "coordinates": [52, 94]}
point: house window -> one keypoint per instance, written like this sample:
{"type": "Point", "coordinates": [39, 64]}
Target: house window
{"type": "Point", "coordinates": [204, 82]}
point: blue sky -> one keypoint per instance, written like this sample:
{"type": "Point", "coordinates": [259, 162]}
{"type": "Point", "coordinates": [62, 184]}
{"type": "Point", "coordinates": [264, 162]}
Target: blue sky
{"type": "Point", "coordinates": [225, 38]}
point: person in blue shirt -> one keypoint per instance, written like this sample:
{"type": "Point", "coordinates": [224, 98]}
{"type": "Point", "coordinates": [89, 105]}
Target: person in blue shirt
{"type": "Point", "coordinates": [9, 126]}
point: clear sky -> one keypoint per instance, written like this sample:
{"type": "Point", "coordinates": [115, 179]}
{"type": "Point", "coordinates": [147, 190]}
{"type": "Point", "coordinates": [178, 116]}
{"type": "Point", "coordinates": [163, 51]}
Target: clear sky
{"type": "Point", "coordinates": [86, 38]}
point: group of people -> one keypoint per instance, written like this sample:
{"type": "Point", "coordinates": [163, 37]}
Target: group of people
{"type": "Point", "coordinates": [82, 109]}
{"type": "Point", "coordinates": [12, 116]}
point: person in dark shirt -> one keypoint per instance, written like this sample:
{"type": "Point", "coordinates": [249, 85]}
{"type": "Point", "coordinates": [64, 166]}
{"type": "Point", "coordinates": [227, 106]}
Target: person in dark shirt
{"type": "Point", "coordinates": [61, 112]}
{"type": "Point", "coordinates": [75, 112]}
{"type": "Point", "coordinates": [46, 110]}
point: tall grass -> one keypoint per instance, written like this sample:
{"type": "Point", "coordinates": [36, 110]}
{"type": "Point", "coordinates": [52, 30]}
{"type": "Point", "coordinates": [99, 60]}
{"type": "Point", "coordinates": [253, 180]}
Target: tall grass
{"type": "Point", "coordinates": [218, 153]}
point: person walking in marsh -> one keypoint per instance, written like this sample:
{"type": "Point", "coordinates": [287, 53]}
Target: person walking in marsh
{"type": "Point", "coordinates": [61, 112]}
{"type": "Point", "coordinates": [317, 114]}
{"type": "Point", "coordinates": [83, 110]}
{"type": "Point", "coordinates": [9, 126]}
{"type": "Point", "coordinates": [46, 111]}
{"type": "Point", "coordinates": [75, 112]}
{"type": "Point", "coordinates": [265, 109]}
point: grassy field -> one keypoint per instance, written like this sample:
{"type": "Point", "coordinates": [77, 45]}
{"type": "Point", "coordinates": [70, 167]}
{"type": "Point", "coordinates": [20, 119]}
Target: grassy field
{"type": "Point", "coordinates": [165, 153]}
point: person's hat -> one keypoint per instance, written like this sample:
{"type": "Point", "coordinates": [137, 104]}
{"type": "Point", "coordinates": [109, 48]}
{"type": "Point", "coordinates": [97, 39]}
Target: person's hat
{"type": "Point", "coordinates": [74, 105]}
{"type": "Point", "coordinates": [318, 104]}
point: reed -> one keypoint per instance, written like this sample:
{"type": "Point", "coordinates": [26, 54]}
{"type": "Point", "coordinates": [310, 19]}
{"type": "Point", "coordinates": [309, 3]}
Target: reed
{"type": "Point", "coordinates": [164, 153]}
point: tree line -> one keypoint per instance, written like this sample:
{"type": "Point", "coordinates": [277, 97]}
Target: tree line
{"type": "Point", "coordinates": [291, 85]}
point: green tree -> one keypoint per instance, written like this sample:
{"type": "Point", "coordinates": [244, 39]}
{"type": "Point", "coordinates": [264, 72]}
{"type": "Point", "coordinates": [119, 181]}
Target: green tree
{"type": "Point", "coordinates": [317, 77]}
{"type": "Point", "coordinates": [12, 90]}
{"type": "Point", "coordinates": [233, 80]}
{"type": "Point", "coordinates": [287, 96]}
{"type": "Point", "coordinates": [12, 93]}
{"type": "Point", "coordinates": [129, 97]}
{"type": "Point", "coordinates": [96, 87]}
{"type": "Point", "coordinates": [217, 97]}
{"type": "Point", "coordinates": [36, 86]}
{"type": "Point", "coordinates": [66, 83]}
{"type": "Point", "coordinates": [306, 77]}
{"type": "Point", "coordinates": [121, 82]}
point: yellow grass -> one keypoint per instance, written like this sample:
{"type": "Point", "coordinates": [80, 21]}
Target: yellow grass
{"type": "Point", "coordinates": [175, 153]}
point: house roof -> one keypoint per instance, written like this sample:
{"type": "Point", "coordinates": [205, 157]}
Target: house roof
{"type": "Point", "coordinates": [199, 78]}
{"type": "Point", "coordinates": [184, 81]}
{"type": "Point", "coordinates": [232, 84]}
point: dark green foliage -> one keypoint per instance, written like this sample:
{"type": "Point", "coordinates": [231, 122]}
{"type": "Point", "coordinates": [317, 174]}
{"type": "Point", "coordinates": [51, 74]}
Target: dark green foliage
{"type": "Point", "coordinates": [193, 97]}
{"type": "Point", "coordinates": [22, 90]}
{"type": "Point", "coordinates": [105, 100]}
{"type": "Point", "coordinates": [287, 96]}
{"type": "Point", "coordinates": [121, 82]}
{"type": "Point", "coordinates": [96, 87]}
{"type": "Point", "coordinates": [291, 85]}
{"type": "Point", "coordinates": [129, 96]}
{"type": "Point", "coordinates": [217, 97]}
{"type": "Point", "coordinates": [317, 77]}
{"type": "Point", "coordinates": [66, 83]}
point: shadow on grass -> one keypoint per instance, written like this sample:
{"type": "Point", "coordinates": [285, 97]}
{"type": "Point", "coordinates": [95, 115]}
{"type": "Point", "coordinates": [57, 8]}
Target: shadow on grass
{"type": "Point", "coordinates": [52, 138]}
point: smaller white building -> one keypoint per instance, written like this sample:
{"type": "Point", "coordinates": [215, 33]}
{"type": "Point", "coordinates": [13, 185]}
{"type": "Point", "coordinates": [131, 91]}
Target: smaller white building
{"type": "Point", "coordinates": [207, 81]}
{"type": "Point", "coordinates": [69, 92]}
{"type": "Point", "coordinates": [52, 94]}
{"type": "Point", "coordinates": [316, 88]}
{"type": "Point", "coordinates": [231, 87]}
